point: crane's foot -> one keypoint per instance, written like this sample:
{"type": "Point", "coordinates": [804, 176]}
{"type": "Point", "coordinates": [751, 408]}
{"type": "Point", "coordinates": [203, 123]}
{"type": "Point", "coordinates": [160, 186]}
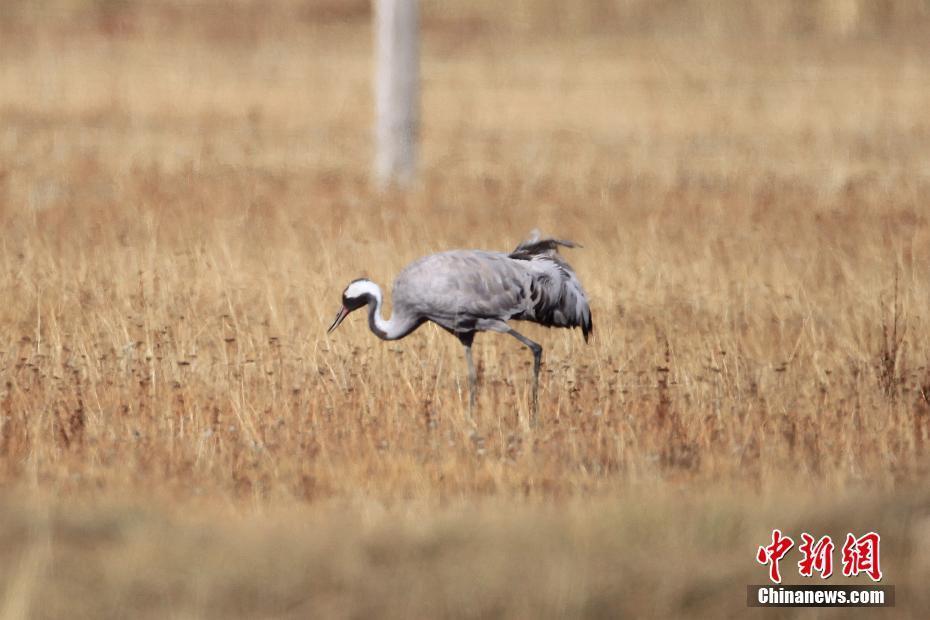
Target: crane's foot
{"type": "Point", "coordinates": [534, 407]}
{"type": "Point", "coordinates": [472, 377]}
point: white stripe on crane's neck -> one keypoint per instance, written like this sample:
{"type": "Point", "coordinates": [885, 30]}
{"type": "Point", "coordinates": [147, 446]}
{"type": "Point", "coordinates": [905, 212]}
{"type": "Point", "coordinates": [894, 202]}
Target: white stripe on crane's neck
{"type": "Point", "coordinates": [391, 329]}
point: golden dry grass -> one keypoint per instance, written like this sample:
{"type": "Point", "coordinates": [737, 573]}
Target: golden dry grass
{"type": "Point", "coordinates": [183, 196]}
{"type": "Point", "coordinates": [664, 555]}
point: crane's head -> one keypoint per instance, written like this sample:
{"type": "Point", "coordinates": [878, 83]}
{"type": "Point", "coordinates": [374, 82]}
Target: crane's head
{"type": "Point", "coordinates": [359, 293]}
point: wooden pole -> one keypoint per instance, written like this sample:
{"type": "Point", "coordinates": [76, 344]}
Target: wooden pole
{"type": "Point", "coordinates": [397, 77]}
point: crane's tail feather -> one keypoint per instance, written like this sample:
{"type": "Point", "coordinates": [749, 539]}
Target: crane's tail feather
{"type": "Point", "coordinates": [537, 245]}
{"type": "Point", "coordinates": [558, 300]}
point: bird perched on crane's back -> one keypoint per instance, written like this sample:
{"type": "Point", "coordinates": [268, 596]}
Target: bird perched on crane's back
{"type": "Point", "coordinates": [467, 291]}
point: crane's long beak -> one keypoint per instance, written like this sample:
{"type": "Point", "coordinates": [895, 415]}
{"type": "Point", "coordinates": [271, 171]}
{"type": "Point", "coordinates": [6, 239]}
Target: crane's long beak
{"type": "Point", "coordinates": [343, 313]}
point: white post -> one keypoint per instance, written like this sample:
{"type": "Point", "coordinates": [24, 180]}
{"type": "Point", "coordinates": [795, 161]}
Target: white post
{"type": "Point", "coordinates": [397, 77]}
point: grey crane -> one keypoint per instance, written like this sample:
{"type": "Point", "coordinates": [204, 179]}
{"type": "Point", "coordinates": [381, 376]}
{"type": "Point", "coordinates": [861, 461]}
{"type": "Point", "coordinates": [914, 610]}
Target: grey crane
{"type": "Point", "coordinates": [468, 291]}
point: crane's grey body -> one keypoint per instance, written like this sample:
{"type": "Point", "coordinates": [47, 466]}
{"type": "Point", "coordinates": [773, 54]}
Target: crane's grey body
{"type": "Point", "coordinates": [467, 291]}
{"type": "Point", "coordinates": [472, 290]}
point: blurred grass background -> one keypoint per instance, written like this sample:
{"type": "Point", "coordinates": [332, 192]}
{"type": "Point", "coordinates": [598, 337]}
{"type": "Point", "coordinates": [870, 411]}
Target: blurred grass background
{"type": "Point", "coordinates": [754, 18]}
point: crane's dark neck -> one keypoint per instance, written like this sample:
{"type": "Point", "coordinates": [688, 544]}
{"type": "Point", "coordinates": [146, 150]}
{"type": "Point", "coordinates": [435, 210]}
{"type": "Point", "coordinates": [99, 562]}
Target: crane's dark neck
{"type": "Point", "coordinates": [393, 328]}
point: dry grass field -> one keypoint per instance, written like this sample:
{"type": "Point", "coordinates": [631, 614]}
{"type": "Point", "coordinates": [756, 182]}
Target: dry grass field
{"type": "Point", "coordinates": [185, 191]}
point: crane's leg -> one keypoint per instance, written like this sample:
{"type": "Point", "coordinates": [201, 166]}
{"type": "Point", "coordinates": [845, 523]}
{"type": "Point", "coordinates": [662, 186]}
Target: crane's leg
{"type": "Point", "coordinates": [467, 338]}
{"type": "Point", "coordinates": [537, 361]}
